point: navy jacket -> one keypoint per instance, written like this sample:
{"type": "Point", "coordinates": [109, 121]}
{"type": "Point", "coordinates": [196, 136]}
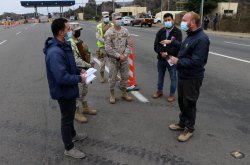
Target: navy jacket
{"type": "Point", "coordinates": [193, 55]}
{"type": "Point", "coordinates": [62, 73]}
{"type": "Point", "coordinates": [175, 34]}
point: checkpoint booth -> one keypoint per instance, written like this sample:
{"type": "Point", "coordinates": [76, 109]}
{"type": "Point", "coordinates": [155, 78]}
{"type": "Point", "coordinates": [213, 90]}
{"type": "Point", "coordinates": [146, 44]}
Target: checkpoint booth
{"type": "Point", "coordinates": [49, 3]}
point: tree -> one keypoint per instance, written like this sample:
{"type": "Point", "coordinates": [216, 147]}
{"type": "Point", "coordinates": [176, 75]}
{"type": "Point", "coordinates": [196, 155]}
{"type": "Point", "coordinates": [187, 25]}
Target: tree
{"type": "Point", "coordinates": [209, 5]}
{"type": "Point", "coordinates": [90, 9]}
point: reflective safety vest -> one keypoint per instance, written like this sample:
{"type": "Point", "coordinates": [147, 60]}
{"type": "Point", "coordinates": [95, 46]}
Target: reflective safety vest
{"type": "Point", "coordinates": [102, 32]}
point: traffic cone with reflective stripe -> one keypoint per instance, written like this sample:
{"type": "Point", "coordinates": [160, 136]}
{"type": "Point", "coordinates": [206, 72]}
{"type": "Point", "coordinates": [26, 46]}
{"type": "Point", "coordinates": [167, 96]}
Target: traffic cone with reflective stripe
{"type": "Point", "coordinates": [131, 62]}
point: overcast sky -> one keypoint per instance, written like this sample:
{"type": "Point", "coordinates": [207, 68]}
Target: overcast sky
{"type": "Point", "coordinates": [15, 6]}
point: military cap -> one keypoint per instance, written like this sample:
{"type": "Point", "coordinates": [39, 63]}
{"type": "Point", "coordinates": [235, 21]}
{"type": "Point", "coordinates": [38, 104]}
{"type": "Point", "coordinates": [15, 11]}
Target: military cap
{"type": "Point", "coordinates": [116, 15]}
{"type": "Point", "coordinates": [105, 14]}
{"type": "Point", "coordinates": [75, 26]}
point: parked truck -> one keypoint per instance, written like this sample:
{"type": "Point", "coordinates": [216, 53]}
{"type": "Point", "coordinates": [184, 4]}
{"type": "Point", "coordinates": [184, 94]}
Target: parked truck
{"type": "Point", "coordinates": [142, 19]}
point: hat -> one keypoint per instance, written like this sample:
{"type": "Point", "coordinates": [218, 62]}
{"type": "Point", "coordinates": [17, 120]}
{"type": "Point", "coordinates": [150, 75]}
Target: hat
{"type": "Point", "coordinates": [105, 14]}
{"type": "Point", "coordinates": [116, 15]}
{"type": "Point", "coordinates": [75, 26]}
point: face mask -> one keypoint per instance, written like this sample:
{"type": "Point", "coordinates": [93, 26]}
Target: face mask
{"type": "Point", "coordinates": [69, 34]}
{"type": "Point", "coordinates": [184, 26]}
{"type": "Point", "coordinates": [106, 20]}
{"type": "Point", "coordinates": [168, 24]}
{"type": "Point", "coordinates": [77, 33]}
{"type": "Point", "coordinates": [118, 22]}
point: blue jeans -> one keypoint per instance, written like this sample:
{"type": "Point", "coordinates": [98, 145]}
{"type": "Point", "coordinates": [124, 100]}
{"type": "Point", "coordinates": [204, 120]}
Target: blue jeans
{"type": "Point", "coordinates": [162, 65]}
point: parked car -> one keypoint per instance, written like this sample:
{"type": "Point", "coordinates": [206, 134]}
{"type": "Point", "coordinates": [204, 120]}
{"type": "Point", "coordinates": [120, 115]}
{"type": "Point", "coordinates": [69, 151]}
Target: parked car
{"type": "Point", "coordinates": [157, 20]}
{"type": "Point", "coordinates": [72, 18]}
{"type": "Point", "coordinates": [43, 19]}
{"type": "Point", "coordinates": [2, 21]}
{"type": "Point", "coordinates": [142, 19]}
{"type": "Point", "coordinates": [126, 20]}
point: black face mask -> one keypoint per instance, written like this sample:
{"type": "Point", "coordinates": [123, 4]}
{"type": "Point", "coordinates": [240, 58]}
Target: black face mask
{"type": "Point", "coordinates": [77, 33]}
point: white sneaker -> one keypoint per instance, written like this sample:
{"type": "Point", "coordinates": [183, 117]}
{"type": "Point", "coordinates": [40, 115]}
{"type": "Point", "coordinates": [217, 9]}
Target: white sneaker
{"type": "Point", "coordinates": [75, 153]}
{"type": "Point", "coordinates": [79, 137]}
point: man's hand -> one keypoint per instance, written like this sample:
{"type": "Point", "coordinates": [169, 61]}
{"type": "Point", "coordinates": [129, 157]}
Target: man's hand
{"type": "Point", "coordinates": [174, 60]}
{"type": "Point", "coordinates": [165, 42]}
{"type": "Point", "coordinates": [83, 71]}
{"type": "Point", "coordinates": [164, 54]}
{"type": "Point", "coordinates": [122, 57]}
{"type": "Point", "coordinates": [83, 76]}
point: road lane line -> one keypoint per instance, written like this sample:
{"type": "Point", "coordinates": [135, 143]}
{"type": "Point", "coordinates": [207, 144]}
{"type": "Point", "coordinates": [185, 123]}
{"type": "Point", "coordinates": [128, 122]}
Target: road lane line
{"type": "Point", "coordinates": [18, 33]}
{"type": "Point", "coordinates": [3, 42]}
{"type": "Point", "coordinates": [233, 43]}
{"type": "Point", "coordinates": [137, 94]}
{"type": "Point", "coordinates": [134, 35]}
{"type": "Point", "coordinates": [237, 59]}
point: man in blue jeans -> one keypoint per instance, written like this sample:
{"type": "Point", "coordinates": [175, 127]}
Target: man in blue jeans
{"type": "Point", "coordinates": [63, 78]}
{"type": "Point", "coordinates": [165, 51]}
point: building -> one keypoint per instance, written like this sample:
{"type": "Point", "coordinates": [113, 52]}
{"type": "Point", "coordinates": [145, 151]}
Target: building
{"type": "Point", "coordinates": [179, 5]}
{"type": "Point", "coordinates": [131, 10]}
{"type": "Point", "coordinates": [226, 8]}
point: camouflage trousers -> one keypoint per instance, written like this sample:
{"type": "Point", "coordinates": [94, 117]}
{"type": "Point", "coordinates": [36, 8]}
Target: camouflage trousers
{"type": "Point", "coordinates": [114, 68]}
{"type": "Point", "coordinates": [102, 56]}
{"type": "Point", "coordinates": [83, 90]}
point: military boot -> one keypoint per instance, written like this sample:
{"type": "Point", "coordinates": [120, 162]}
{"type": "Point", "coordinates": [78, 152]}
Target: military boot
{"type": "Point", "coordinates": [87, 110]}
{"type": "Point", "coordinates": [102, 80]}
{"type": "Point", "coordinates": [112, 96]}
{"type": "Point", "coordinates": [80, 117]}
{"type": "Point", "coordinates": [125, 95]}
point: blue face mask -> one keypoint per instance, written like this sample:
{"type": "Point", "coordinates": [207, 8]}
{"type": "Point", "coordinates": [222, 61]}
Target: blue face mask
{"type": "Point", "coordinates": [118, 22]}
{"type": "Point", "coordinates": [184, 26]}
{"type": "Point", "coordinates": [168, 24]}
{"type": "Point", "coordinates": [69, 34]}
{"type": "Point", "coordinates": [106, 19]}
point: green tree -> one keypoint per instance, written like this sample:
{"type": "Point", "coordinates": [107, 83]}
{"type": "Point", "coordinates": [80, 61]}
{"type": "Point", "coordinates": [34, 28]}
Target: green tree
{"type": "Point", "coordinates": [209, 5]}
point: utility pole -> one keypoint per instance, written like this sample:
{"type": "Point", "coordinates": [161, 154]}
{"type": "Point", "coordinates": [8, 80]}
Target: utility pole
{"type": "Point", "coordinates": [168, 5]}
{"type": "Point", "coordinates": [201, 11]}
{"type": "Point", "coordinates": [161, 11]}
{"type": "Point", "coordinates": [113, 5]}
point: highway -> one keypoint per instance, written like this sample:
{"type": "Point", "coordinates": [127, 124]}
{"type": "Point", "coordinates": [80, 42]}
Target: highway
{"type": "Point", "coordinates": [133, 133]}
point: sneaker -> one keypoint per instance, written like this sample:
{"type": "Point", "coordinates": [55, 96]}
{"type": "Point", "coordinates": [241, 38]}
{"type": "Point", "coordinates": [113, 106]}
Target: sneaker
{"type": "Point", "coordinates": [75, 153]}
{"type": "Point", "coordinates": [79, 137]}
{"type": "Point", "coordinates": [157, 94]}
{"type": "Point", "coordinates": [176, 127]}
{"type": "Point", "coordinates": [171, 98]}
{"type": "Point", "coordinates": [185, 135]}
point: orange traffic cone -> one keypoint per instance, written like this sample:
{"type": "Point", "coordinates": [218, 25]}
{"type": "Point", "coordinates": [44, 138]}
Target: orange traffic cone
{"type": "Point", "coordinates": [131, 61]}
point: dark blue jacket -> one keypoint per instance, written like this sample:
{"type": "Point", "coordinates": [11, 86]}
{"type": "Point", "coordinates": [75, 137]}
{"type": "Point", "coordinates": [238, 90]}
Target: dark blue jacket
{"type": "Point", "coordinates": [175, 34]}
{"type": "Point", "coordinates": [62, 73]}
{"type": "Point", "coordinates": [193, 55]}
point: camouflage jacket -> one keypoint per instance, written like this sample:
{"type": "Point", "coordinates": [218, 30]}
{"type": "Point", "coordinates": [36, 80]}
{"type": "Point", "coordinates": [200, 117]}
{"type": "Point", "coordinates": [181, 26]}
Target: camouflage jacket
{"type": "Point", "coordinates": [117, 42]}
{"type": "Point", "coordinates": [79, 61]}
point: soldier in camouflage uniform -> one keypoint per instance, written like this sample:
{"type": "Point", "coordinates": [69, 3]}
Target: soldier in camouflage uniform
{"type": "Point", "coordinates": [101, 29]}
{"type": "Point", "coordinates": [83, 88]}
{"type": "Point", "coordinates": [117, 45]}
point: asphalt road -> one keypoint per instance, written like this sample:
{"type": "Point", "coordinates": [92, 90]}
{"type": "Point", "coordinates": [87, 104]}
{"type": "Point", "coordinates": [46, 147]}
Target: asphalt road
{"type": "Point", "coordinates": [125, 133]}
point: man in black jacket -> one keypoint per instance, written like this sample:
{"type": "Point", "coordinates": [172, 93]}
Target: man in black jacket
{"type": "Point", "coordinates": [190, 66]}
{"type": "Point", "coordinates": [164, 51]}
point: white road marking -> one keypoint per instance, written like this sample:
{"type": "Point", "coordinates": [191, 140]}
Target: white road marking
{"type": "Point", "coordinates": [137, 94]}
{"type": "Point", "coordinates": [18, 33]}
{"type": "Point", "coordinates": [237, 59]}
{"type": "Point", "coordinates": [233, 43]}
{"type": "Point", "coordinates": [134, 35]}
{"type": "Point", "coordinates": [3, 42]}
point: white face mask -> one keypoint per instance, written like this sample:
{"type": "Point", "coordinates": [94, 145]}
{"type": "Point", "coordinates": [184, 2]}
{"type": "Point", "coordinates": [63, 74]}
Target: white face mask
{"type": "Point", "coordinates": [118, 22]}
